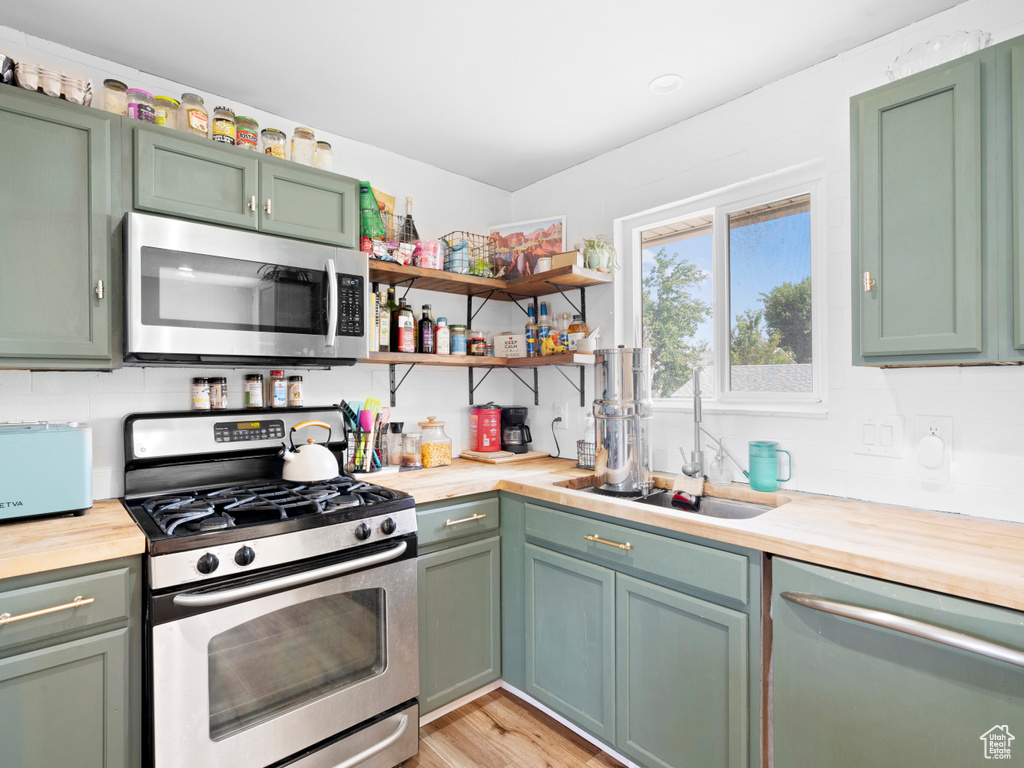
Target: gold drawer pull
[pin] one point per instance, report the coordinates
(6, 618)
(598, 540)
(464, 520)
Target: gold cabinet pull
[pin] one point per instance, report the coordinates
(464, 520)
(868, 282)
(598, 540)
(6, 618)
(101, 290)
(267, 207)
(252, 203)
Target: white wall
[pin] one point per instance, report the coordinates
(444, 202)
(802, 118)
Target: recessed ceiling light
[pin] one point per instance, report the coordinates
(666, 84)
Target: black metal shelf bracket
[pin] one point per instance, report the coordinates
(411, 281)
(535, 388)
(395, 387)
(581, 387)
(582, 308)
(473, 387)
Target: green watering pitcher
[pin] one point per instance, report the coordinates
(764, 466)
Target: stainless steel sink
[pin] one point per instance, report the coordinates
(709, 506)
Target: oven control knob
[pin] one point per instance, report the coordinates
(245, 556)
(363, 532)
(387, 527)
(207, 563)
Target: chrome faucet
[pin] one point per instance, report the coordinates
(695, 466)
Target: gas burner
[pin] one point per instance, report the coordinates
(344, 501)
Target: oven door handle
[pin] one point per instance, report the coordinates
(332, 303)
(377, 748)
(207, 599)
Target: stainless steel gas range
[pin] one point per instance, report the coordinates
(281, 617)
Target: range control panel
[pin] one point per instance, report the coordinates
(237, 431)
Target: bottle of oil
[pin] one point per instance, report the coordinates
(577, 331)
(425, 332)
(387, 308)
(403, 329)
(532, 349)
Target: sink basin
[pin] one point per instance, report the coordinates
(710, 506)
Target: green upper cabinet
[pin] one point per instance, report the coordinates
(314, 205)
(57, 286)
(918, 166)
(188, 176)
(1017, 192)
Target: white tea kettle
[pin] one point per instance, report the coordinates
(310, 463)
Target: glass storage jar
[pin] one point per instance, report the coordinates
(273, 143)
(115, 97)
(435, 446)
(141, 105)
(167, 112)
(324, 156)
(193, 115)
(247, 133)
(411, 450)
(224, 125)
(458, 340)
(303, 146)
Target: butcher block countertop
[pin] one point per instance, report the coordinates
(105, 532)
(970, 557)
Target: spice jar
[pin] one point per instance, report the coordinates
(273, 142)
(436, 446)
(224, 125)
(458, 340)
(247, 133)
(167, 112)
(219, 393)
(141, 105)
(115, 97)
(295, 391)
(200, 394)
(194, 116)
(303, 146)
(411, 450)
(324, 156)
(442, 337)
(277, 390)
(476, 342)
(254, 390)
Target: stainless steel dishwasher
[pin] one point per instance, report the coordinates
(871, 673)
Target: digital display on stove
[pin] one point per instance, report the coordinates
(234, 432)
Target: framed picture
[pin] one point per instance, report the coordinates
(518, 246)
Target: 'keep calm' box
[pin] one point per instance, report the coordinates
(510, 345)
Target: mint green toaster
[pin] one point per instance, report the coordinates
(45, 468)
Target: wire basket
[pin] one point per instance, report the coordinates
(393, 224)
(585, 454)
(467, 253)
(356, 453)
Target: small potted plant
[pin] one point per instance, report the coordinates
(599, 253)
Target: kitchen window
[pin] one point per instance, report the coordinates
(731, 282)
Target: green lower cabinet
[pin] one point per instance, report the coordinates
(459, 621)
(57, 288)
(65, 705)
(848, 693)
(315, 205)
(681, 678)
(570, 638)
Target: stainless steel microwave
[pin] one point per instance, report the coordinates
(200, 294)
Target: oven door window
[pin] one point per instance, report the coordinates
(291, 657)
(194, 290)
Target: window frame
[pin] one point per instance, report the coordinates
(807, 178)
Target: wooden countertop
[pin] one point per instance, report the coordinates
(105, 532)
(970, 557)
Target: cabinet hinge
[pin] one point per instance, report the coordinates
(100, 290)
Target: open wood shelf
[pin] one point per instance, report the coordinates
(470, 361)
(542, 284)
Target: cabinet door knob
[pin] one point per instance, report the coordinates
(267, 207)
(252, 203)
(100, 290)
(868, 282)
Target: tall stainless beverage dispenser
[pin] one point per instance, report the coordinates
(622, 412)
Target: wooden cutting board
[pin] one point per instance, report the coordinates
(502, 457)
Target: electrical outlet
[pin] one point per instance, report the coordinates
(933, 458)
(562, 412)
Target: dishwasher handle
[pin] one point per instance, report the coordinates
(908, 626)
(207, 599)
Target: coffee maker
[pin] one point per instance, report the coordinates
(515, 434)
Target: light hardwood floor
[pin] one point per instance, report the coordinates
(500, 730)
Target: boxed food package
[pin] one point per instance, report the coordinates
(510, 345)
(428, 254)
(567, 259)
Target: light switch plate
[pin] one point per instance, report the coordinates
(879, 436)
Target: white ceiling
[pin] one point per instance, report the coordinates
(505, 93)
